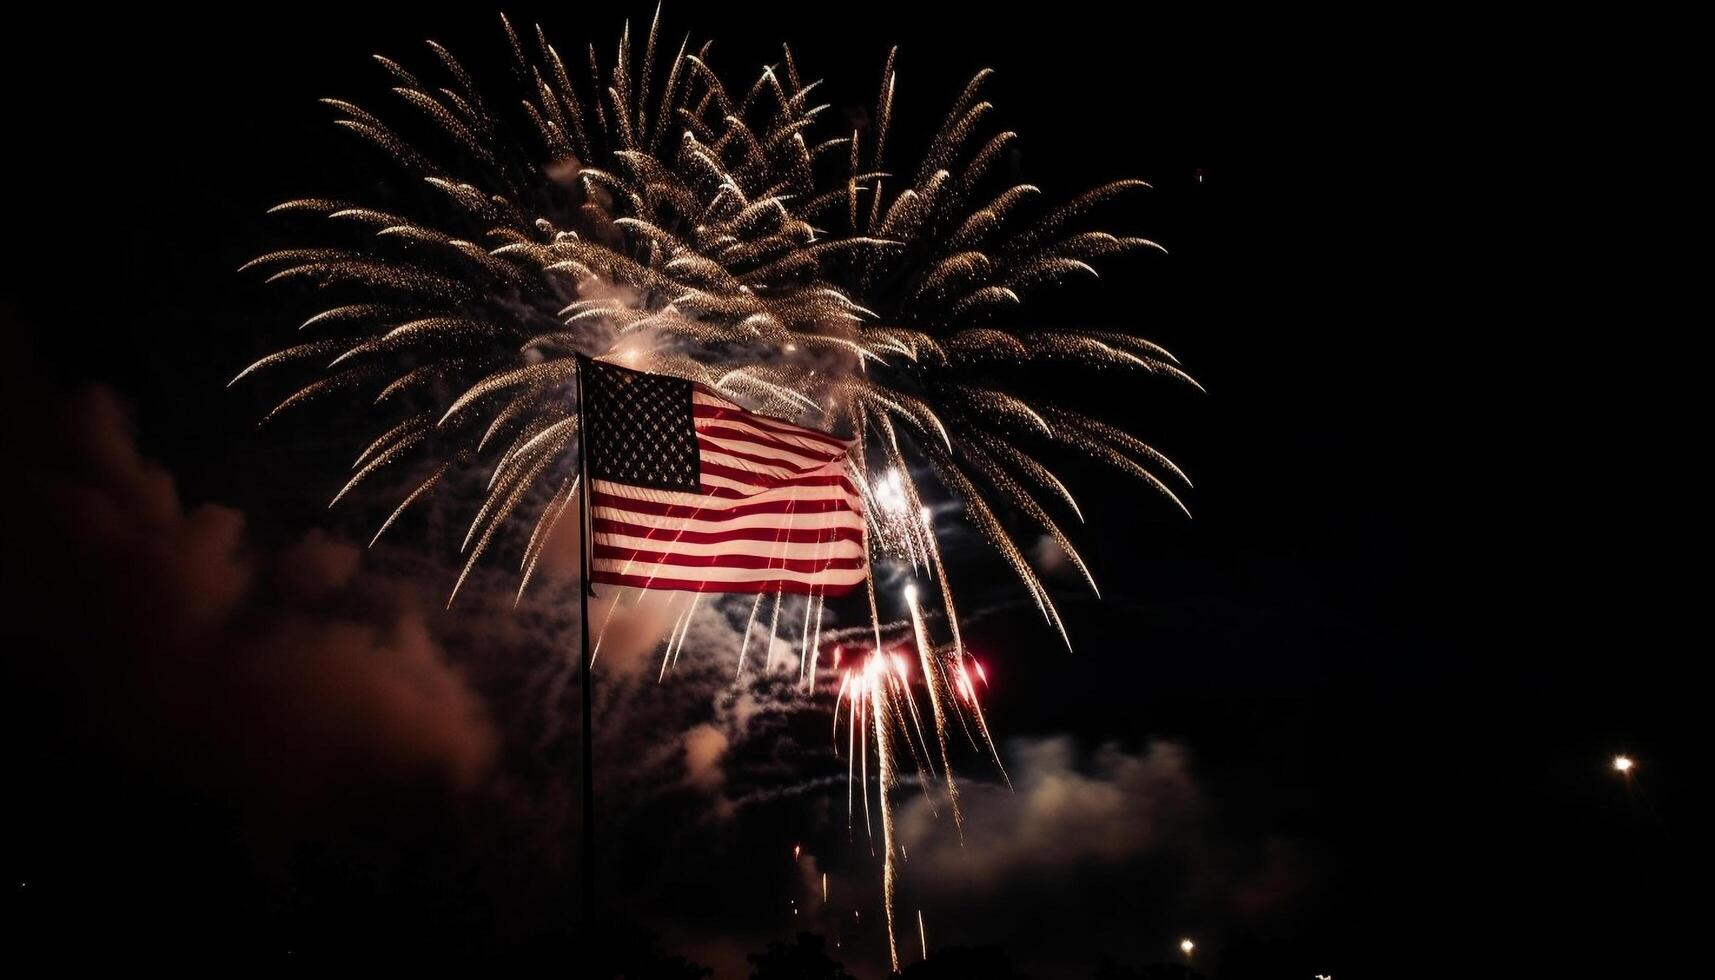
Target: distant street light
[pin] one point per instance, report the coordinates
(1623, 764)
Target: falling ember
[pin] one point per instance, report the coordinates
(884, 781)
(797, 850)
(684, 230)
(934, 680)
(922, 934)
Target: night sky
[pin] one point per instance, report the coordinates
(1356, 718)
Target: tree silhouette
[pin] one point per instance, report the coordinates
(805, 959)
(626, 952)
(963, 963)
(1155, 971)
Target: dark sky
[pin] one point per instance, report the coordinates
(1355, 718)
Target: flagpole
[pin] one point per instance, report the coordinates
(584, 592)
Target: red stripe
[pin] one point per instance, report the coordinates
(728, 449)
(725, 493)
(717, 495)
(775, 482)
(739, 435)
(733, 493)
(788, 586)
(730, 493)
(720, 513)
(735, 560)
(770, 535)
(704, 411)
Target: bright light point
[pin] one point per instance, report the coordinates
(1623, 763)
(911, 592)
(890, 493)
(1186, 946)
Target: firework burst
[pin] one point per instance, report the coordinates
(636, 209)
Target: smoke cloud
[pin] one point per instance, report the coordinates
(1057, 816)
(283, 671)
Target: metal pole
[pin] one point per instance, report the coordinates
(584, 593)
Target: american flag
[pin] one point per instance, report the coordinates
(689, 492)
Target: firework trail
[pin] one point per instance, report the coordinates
(637, 209)
(876, 697)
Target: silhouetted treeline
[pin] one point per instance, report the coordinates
(805, 959)
(619, 952)
(1155, 971)
(963, 963)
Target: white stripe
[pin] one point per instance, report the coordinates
(767, 469)
(774, 457)
(813, 492)
(797, 522)
(832, 576)
(714, 505)
(817, 447)
(767, 549)
(748, 430)
(785, 457)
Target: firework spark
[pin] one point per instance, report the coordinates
(876, 696)
(646, 213)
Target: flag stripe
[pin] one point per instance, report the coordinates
(721, 488)
(788, 507)
(826, 583)
(801, 522)
(770, 534)
(704, 406)
(795, 550)
(776, 451)
(745, 453)
(619, 494)
(729, 560)
(764, 481)
(767, 442)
